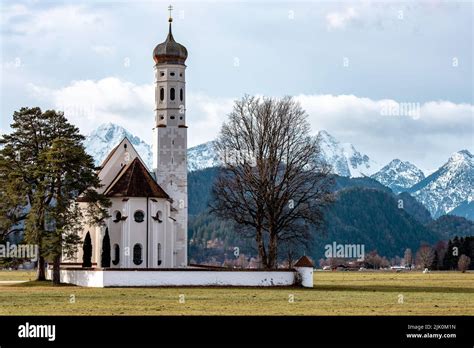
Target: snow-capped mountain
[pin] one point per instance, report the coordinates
(344, 159)
(202, 156)
(399, 175)
(451, 186)
(102, 140)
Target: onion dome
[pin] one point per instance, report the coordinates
(170, 52)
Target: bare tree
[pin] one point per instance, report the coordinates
(373, 259)
(425, 256)
(272, 184)
(408, 257)
(463, 263)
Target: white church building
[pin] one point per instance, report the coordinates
(149, 211)
(148, 224)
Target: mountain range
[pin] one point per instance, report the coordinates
(399, 175)
(449, 190)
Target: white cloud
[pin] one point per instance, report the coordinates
(89, 103)
(375, 127)
(55, 20)
(103, 50)
(340, 19)
(426, 138)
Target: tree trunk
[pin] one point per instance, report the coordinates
(40, 274)
(261, 247)
(56, 270)
(272, 251)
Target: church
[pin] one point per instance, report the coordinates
(148, 219)
(148, 223)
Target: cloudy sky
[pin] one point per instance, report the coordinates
(393, 78)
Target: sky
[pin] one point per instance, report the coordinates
(393, 78)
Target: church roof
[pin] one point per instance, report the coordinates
(304, 261)
(135, 181)
(170, 52)
(111, 153)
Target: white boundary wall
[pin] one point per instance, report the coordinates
(119, 278)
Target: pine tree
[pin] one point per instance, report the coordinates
(105, 256)
(434, 264)
(47, 169)
(87, 251)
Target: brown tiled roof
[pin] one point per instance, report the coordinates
(135, 181)
(304, 261)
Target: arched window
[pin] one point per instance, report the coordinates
(181, 94)
(137, 254)
(159, 254)
(159, 216)
(172, 94)
(162, 93)
(139, 216)
(117, 216)
(116, 259)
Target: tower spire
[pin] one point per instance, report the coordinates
(170, 19)
(170, 8)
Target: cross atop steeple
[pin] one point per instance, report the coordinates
(170, 8)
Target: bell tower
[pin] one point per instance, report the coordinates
(170, 135)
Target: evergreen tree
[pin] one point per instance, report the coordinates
(448, 257)
(434, 265)
(47, 169)
(87, 251)
(105, 256)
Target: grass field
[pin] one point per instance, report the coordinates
(334, 293)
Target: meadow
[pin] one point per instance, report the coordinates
(334, 293)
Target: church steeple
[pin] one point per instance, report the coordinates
(170, 134)
(170, 51)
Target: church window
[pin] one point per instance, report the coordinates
(117, 216)
(181, 94)
(172, 142)
(172, 117)
(139, 216)
(162, 94)
(116, 259)
(137, 254)
(159, 254)
(172, 94)
(159, 216)
(162, 73)
(181, 74)
(172, 73)
(180, 117)
(162, 117)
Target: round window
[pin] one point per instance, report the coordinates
(139, 216)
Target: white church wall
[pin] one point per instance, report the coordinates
(306, 276)
(115, 229)
(158, 247)
(92, 279)
(117, 278)
(137, 232)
